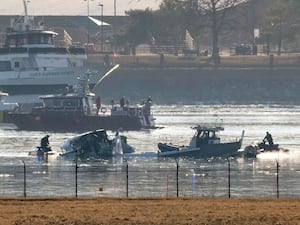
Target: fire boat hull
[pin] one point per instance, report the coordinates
(75, 123)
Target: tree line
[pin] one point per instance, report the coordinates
(215, 22)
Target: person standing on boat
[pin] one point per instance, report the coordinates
(122, 102)
(112, 102)
(147, 110)
(98, 104)
(268, 138)
(148, 104)
(45, 145)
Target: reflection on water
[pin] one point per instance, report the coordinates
(143, 174)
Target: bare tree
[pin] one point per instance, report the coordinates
(217, 11)
(282, 22)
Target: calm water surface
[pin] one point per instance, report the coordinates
(157, 177)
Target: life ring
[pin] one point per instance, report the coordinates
(103, 110)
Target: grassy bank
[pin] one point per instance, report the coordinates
(198, 61)
(149, 211)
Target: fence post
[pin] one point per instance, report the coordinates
(277, 177)
(76, 179)
(24, 184)
(177, 177)
(127, 179)
(229, 185)
(271, 61)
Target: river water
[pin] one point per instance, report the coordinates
(143, 174)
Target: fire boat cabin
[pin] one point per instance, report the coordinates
(67, 103)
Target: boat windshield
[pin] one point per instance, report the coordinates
(62, 103)
(211, 134)
(19, 40)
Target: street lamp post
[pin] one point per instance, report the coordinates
(88, 15)
(114, 30)
(115, 7)
(102, 39)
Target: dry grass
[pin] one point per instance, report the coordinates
(149, 211)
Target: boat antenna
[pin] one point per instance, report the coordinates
(106, 75)
(26, 11)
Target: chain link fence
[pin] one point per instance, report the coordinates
(163, 181)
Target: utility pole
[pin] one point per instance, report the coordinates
(114, 29)
(102, 39)
(88, 23)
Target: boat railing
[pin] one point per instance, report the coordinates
(126, 111)
(36, 50)
(57, 109)
(13, 50)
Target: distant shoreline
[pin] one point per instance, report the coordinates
(194, 61)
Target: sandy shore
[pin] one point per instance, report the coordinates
(149, 211)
